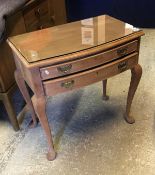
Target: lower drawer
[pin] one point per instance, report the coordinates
(85, 78)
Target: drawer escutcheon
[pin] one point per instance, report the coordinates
(122, 52)
(64, 69)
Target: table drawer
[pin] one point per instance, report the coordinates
(35, 14)
(40, 25)
(87, 63)
(70, 82)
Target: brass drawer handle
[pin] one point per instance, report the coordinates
(122, 52)
(64, 69)
(68, 84)
(41, 27)
(37, 13)
(122, 66)
(53, 19)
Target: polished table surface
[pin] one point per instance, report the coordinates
(70, 38)
(71, 56)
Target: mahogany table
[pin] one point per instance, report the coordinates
(71, 56)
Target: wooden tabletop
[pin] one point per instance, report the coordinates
(70, 38)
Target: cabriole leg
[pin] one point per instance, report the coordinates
(136, 72)
(22, 86)
(105, 97)
(41, 112)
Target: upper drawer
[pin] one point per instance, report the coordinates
(35, 13)
(86, 63)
